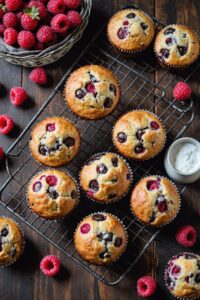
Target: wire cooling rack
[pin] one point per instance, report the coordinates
(141, 89)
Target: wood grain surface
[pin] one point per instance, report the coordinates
(24, 281)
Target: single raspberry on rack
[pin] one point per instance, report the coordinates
(2, 29)
(50, 265)
(6, 124)
(1, 153)
(29, 19)
(10, 20)
(72, 4)
(56, 6)
(26, 39)
(18, 95)
(40, 7)
(10, 36)
(74, 18)
(182, 91)
(38, 76)
(60, 23)
(146, 286)
(44, 34)
(186, 236)
(13, 5)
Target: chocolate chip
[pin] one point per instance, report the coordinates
(102, 169)
(182, 50)
(197, 278)
(115, 161)
(140, 133)
(94, 185)
(144, 26)
(139, 149)
(99, 217)
(118, 242)
(107, 102)
(169, 30)
(112, 88)
(165, 52)
(121, 137)
(80, 94)
(52, 193)
(184, 35)
(43, 150)
(93, 78)
(69, 141)
(131, 15)
(4, 232)
(108, 237)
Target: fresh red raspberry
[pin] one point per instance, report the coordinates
(44, 34)
(18, 95)
(1, 153)
(72, 4)
(13, 5)
(56, 6)
(2, 10)
(74, 18)
(186, 236)
(38, 76)
(40, 6)
(38, 46)
(146, 286)
(10, 20)
(2, 29)
(50, 265)
(29, 19)
(182, 91)
(26, 39)
(60, 23)
(2, 1)
(10, 36)
(6, 124)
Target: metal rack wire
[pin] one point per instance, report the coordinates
(141, 90)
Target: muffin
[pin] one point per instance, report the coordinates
(105, 177)
(155, 201)
(139, 135)
(177, 46)
(92, 92)
(52, 194)
(131, 30)
(11, 241)
(54, 141)
(182, 276)
(100, 238)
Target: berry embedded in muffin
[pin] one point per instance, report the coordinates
(54, 141)
(182, 276)
(131, 30)
(105, 177)
(92, 92)
(139, 135)
(155, 201)
(100, 238)
(52, 194)
(177, 46)
(11, 241)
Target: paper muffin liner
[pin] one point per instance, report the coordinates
(59, 218)
(165, 276)
(98, 118)
(179, 206)
(106, 200)
(175, 67)
(152, 156)
(125, 245)
(135, 52)
(61, 164)
(22, 248)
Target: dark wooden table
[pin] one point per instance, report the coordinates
(24, 281)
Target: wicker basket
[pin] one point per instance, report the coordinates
(36, 58)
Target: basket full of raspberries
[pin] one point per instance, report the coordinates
(39, 32)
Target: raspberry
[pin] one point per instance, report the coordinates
(146, 286)
(10, 36)
(6, 124)
(26, 39)
(60, 23)
(1, 153)
(182, 91)
(18, 95)
(72, 4)
(74, 18)
(44, 34)
(56, 6)
(38, 76)
(50, 265)
(29, 19)
(2, 29)
(38, 46)
(186, 236)
(40, 7)
(13, 5)
(10, 20)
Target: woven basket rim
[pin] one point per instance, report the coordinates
(28, 54)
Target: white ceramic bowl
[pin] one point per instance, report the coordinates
(169, 162)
